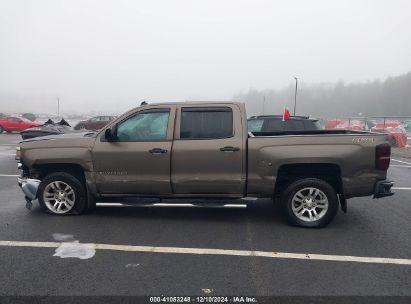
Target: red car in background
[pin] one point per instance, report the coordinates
(94, 123)
(331, 124)
(397, 135)
(345, 124)
(15, 123)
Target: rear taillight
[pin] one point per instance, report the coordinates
(382, 156)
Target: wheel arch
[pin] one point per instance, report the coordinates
(42, 170)
(70, 168)
(288, 173)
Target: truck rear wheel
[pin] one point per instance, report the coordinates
(61, 193)
(310, 202)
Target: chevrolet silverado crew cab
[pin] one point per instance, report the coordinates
(203, 152)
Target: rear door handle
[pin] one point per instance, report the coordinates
(230, 149)
(158, 151)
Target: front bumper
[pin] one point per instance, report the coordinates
(29, 186)
(383, 188)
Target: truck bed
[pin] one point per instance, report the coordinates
(352, 153)
(312, 132)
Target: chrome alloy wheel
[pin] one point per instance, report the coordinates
(309, 204)
(59, 197)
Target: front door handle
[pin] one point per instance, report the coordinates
(230, 149)
(158, 151)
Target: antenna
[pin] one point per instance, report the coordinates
(263, 104)
(58, 106)
(295, 95)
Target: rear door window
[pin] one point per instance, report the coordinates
(206, 123)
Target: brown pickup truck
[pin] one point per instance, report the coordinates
(202, 152)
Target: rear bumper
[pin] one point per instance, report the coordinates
(383, 188)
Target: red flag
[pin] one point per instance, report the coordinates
(286, 114)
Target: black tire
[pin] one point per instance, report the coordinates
(91, 201)
(301, 184)
(80, 194)
(1, 129)
(80, 127)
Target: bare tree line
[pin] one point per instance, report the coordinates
(377, 98)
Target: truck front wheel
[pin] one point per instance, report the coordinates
(310, 202)
(61, 193)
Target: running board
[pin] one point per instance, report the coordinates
(199, 205)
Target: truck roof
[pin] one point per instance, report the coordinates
(194, 103)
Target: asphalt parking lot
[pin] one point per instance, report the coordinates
(371, 229)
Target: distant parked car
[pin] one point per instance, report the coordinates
(346, 124)
(49, 128)
(2, 115)
(94, 123)
(15, 123)
(29, 116)
(397, 136)
(275, 123)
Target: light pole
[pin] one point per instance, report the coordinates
(263, 104)
(295, 94)
(58, 106)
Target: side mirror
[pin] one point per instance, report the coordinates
(110, 134)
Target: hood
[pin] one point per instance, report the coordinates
(66, 136)
(61, 138)
(73, 148)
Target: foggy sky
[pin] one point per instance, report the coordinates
(107, 56)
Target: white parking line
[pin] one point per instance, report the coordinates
(401, 188)
(401, 166)
(226, 252)
(9, 175)
(400, 161)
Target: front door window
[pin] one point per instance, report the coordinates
(149, 125)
